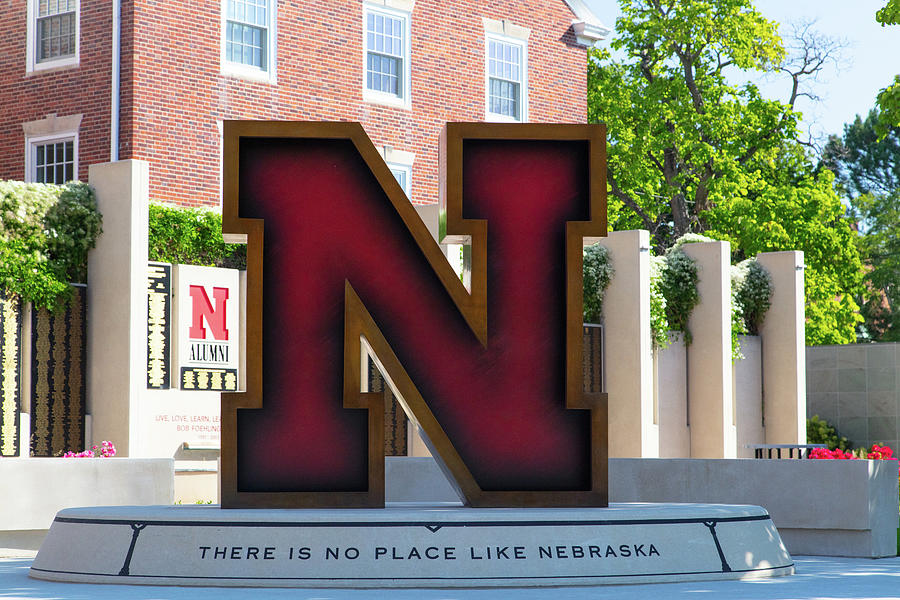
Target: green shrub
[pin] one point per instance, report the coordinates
(659, 323)
(598, 273)
(688, 238)
(819, 431)
(46, 232)
(191, 237)
(752, 293)
(738, 326)
(679, 287)
(751, 296)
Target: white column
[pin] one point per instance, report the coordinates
(784, 350)
(671, 390)
(633, 431)
(117, 303)
(710, 387)
(748, 397)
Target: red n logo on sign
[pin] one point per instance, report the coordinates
(202, 309)
(338, 263)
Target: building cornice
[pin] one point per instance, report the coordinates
(588, 28)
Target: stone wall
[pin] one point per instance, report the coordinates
(820, 507)
(35, 489)
(856, 389)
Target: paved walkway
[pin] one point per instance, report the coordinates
(816, 578)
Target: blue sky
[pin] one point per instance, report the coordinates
(872, 56)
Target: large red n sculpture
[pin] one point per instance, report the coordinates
(339, 263)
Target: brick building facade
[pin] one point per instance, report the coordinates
(402, 68)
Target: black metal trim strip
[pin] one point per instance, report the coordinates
(442, 524)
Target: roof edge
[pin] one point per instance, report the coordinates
(588, 28)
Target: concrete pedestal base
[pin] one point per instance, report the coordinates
(411, 547)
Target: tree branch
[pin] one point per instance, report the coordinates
(628, 201)
(810, 54)
(687, 65)
(656, 162)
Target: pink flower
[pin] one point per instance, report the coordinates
(836, 454)
(877, 453)
(105, 450)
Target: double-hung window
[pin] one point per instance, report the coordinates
(248, 44)
(506, 68)
(386, 65)
(52, 33)
(55, 29)
(52, 160)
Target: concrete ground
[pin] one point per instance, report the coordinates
(817, 578)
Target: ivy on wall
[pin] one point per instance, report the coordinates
(751, 296)
(673, 292)
(191, 237)
(598, 272)
(659, 322)
(46, 231)
(678, 283)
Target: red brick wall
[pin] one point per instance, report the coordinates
(180, 93)
(173, 92)
(82, 89)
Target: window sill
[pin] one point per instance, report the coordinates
(249, 74)
(495, 118)
(386, 100)
(52, 66)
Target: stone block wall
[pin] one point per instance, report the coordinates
(856, 389)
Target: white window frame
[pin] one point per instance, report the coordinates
(31, 55)
(32, 142)
(377, 97)
(407, 172)
(516, 40)
(399, 160)
(267, 75)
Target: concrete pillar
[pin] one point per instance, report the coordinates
(117, 299)
(748, 396)
(783, 350)
(633, 428)
(671, 393)
(710, 387)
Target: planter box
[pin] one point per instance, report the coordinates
(820, 507)
(35, 489)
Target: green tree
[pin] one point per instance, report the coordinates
(868, 170)
(890, 14)
(792, 205)
(680, 133)
(689, 151)
(889, 97)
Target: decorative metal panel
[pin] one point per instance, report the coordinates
(209, 380)
(10, 318)
(395, 421)
(159, 316)
(592, 358)
(57, 375)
